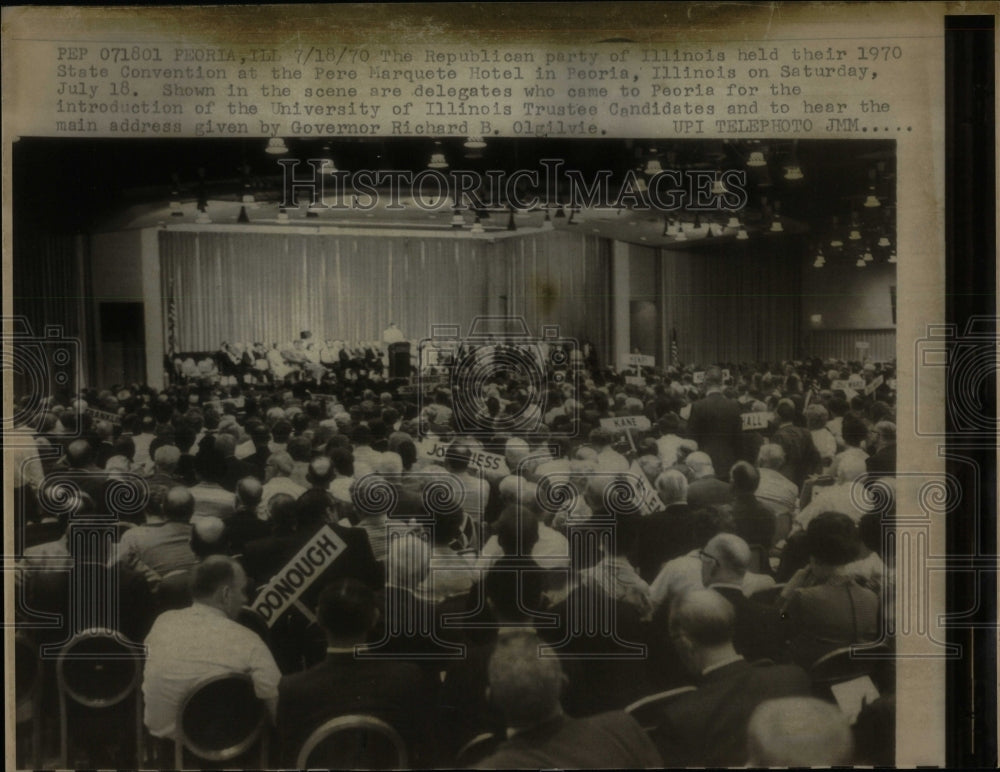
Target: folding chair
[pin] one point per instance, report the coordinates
(353, 742)
(221, 719)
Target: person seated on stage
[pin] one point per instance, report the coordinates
(261, 364)
(279, 366)
(328, 355)
(313, 364)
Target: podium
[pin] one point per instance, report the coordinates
(399, 360)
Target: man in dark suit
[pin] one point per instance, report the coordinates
(344, 684)
(754, 522)
(708, 727)
(244, 526)
(666, 534)
(706, 489)
(526, 688)
(758, 629)
(801, 457)
(883, 461)
(716, 425)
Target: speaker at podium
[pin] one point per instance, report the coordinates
(399, 360)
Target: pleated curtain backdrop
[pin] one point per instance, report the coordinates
(248, 286)
(739, 304)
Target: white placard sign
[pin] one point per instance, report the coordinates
(626, 423)
(756, 421)
(298, 574)
(639, 360)
(649, 502)
(856, 382)
(698, 377)
(876, 382)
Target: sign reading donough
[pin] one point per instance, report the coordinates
(298, 574)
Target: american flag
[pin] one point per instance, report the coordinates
(171, 322)
(675, 354)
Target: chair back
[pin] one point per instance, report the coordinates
(850, 662)
(173, 591)
(353, 742)
(220, 719)
(27, 676)
(477, 749)
(98, 669)
(648, 710)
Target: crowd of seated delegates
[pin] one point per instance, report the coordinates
(240, 479)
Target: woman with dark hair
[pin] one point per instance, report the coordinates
(825, 606)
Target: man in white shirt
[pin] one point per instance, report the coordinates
(189, 645)
(841, 497)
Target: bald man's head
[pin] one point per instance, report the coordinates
(79, 454)
(725, 559)
(672, 487)
(704, 617)
(798, 732)
(700, 464)
(249, 491)
(178, 505)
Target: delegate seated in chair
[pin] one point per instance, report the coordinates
(393, 691)
(189, 645)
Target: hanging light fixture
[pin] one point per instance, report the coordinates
(776, 226)
(276, 146)
(861, 263)
(719, 187)
(652, 164)
(892, 257)
(883, 240)
(547, 221)
(872, 202)
(438, 161)
(741, 234)
(327, 164)
(756, 160)
(793, 172)
(457, 221)
(681, 236)
(477, 226)
(868, 256)
(475, 143)
(733, 222)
